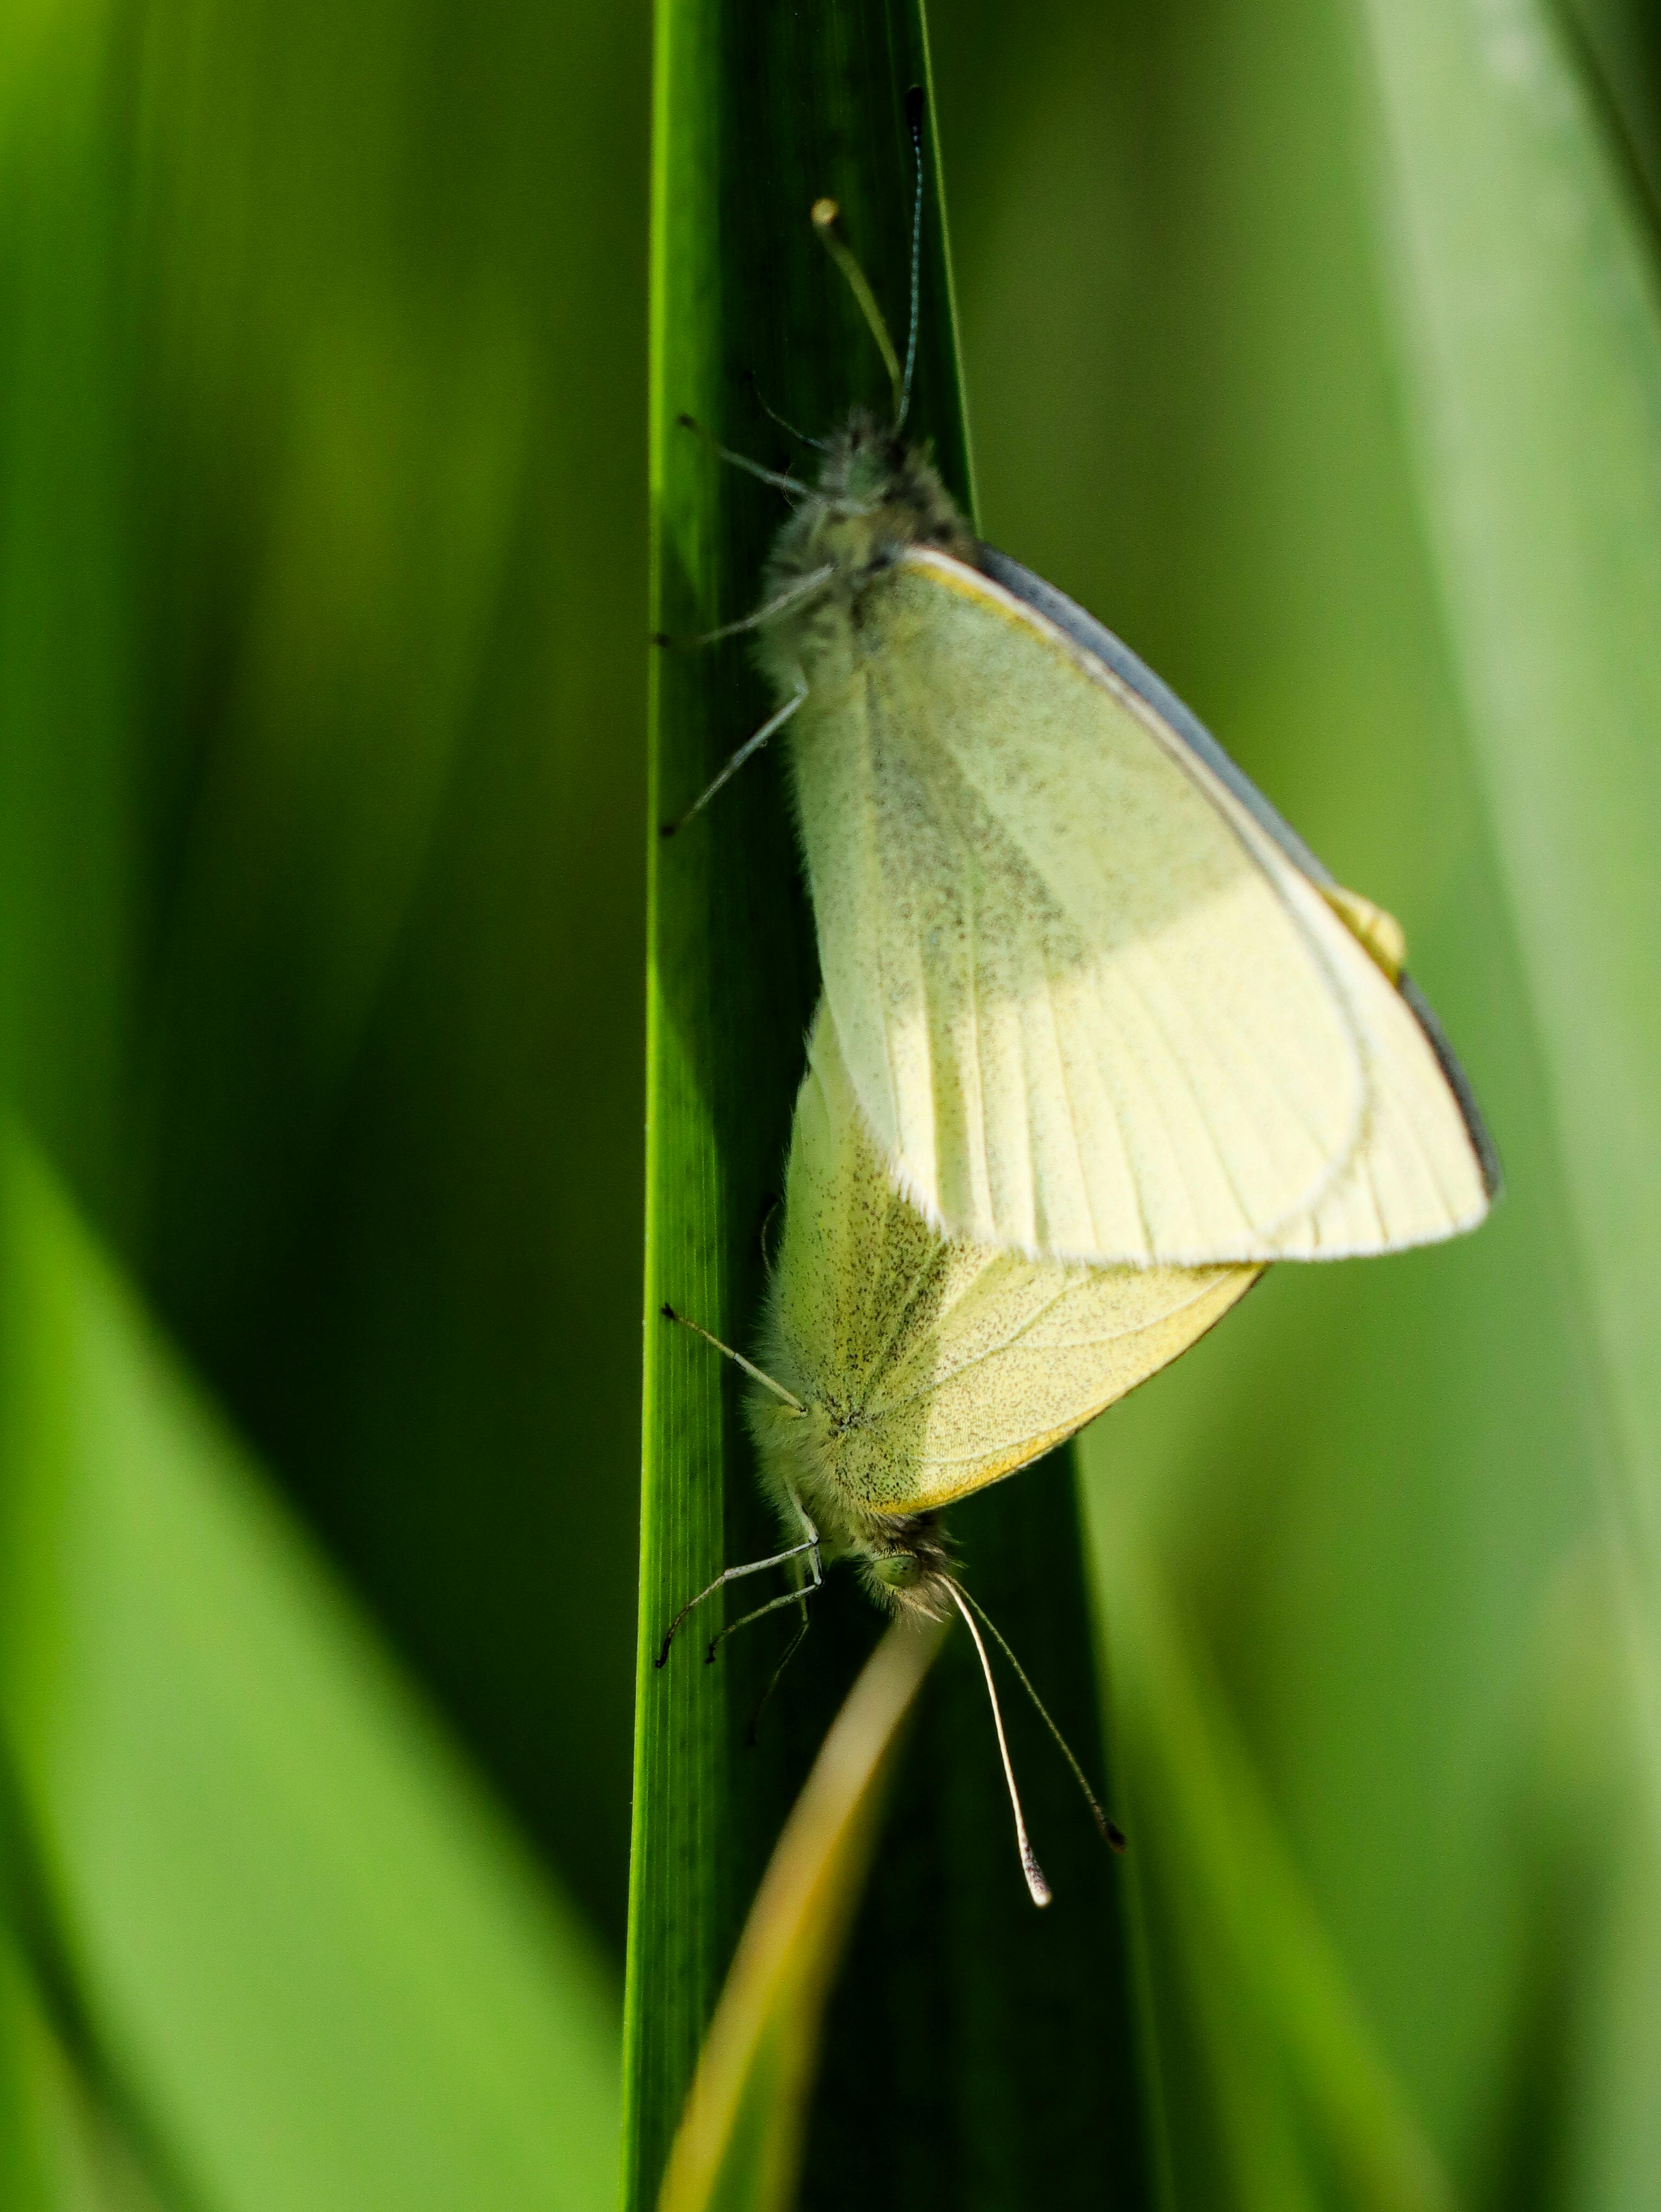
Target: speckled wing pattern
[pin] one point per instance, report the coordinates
(944, 1365)
(1090, 1006)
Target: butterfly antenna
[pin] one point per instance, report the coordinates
(914, 102)
(819, 445)
(1112, 1834)
(827, 221)
(1036, 1883)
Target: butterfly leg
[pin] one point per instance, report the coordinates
(789, 485)
(793, 595)
(819, 445)
(774, 722)
(755, 1375)
(792, 487)
(790, 1597)
(790, 1652)
(797, 1596)
(736, 1574)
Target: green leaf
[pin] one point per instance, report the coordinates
(1003, 2041)
(1253, 1956)
(1528, 299)
(62, 2148)
(1530, 316)
(322, 589)
(739, 2145)
(69, 796)
(318, 1967)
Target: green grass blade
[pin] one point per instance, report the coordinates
(1002, 2042)
(1619, 46)
(322, 583)
(61, 2147)
(739, 2146)
(314, 1962)
(67, 791)
(1528, 296)
(1527, 292)
(1254, 1950)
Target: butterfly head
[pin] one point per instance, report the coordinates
(905, 1564)
(876, 497)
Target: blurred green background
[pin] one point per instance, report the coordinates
(322, 682)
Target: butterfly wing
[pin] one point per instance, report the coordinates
(1093, 1005)
(1019, 1356)
(944, 1365)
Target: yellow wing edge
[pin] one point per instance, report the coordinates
(1241, 1277)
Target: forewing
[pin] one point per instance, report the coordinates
(1090, 1008)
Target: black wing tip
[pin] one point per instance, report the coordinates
(1481, 1140)
(1085, 631)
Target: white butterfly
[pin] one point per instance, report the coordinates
(1096, 999)
(900, 1369)
(905, 1369)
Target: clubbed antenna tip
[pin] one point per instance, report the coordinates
(1111, 1834)
(1037, 1887)
(827, 221)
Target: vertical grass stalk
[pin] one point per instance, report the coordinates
(998, 2041)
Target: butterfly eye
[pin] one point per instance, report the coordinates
(899, 1570)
